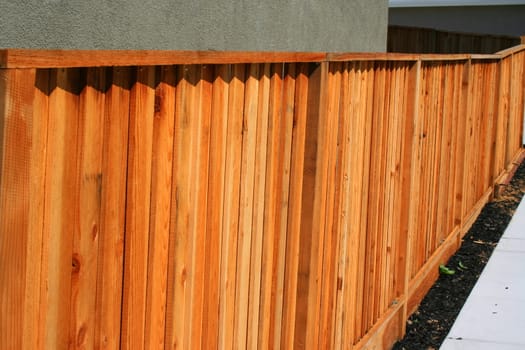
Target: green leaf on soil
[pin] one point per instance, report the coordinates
(445, 270)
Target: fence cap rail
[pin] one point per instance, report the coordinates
(511, 50)
(41, 58)
(29, 58)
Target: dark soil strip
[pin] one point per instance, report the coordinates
(430, 324)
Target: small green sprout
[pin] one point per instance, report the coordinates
(462, 267)
(445, 270)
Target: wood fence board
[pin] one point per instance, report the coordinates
(271, 198)
(85, 242)
(283, 183)
(261, 157)
(231, 207)
(35, 308)
(35, 58)
(328, 297)
(310, 150)
(142, 101)
(293, 246)
(16, 234)
(366, 110)
(218, 134)
(113, 211)
(246, 204)
(200, 128)
(461, 164)
(322, 156)
(341, 196)
(161, 185)
(62, 205)
(408, 136)
(113, 183)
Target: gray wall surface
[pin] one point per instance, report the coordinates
(497, 20)
(252, 25)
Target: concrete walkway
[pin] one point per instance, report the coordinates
(494, 315)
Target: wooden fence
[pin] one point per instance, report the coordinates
(240, 200)
(427, 40)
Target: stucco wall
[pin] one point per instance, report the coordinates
(500, 20)
(262, 25)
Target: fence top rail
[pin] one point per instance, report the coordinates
(40, 58)
(511, 50)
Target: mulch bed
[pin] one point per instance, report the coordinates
(430, 324)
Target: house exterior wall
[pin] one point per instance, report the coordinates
(498, 20)
(252, 25)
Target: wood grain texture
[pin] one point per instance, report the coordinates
(219, 125)
(34, 58)
(113, 212)
(230, 223)
(161, 185)
(33, 327)
(17, 234)
(63, 206)
(142, 101)
(86, 239)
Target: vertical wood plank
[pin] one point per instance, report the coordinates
(189, 207)
(62, 205)
(230, 223)
(35, 308)
(283, 190)
(197, 229)
(413, 180)
(218, 131)
(357, 121)
(86, 239)
(295, 205)
(245, 235)
(112, 221)
(142, 101)
(258, 207)
(326, 126)
(267, 312)
(460, 151)
(410, 104)
(310, 150)
(366, 82)
(161, 184)
(17, 139)
(329, 260)
(341, 206)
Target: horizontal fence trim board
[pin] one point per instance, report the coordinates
(385, 332)
(474, 212)
(444, 57)
(485, 57)
(511, 50)
(365, 56)
(33, 58)
(424, 279)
